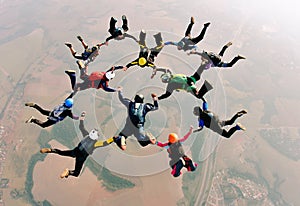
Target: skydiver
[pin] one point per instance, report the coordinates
(210, 120)
(187, 42)
(85, 148)
(88, 55)
(177, 154)
(58, 114)
(145, 58)
(210, 59)
(137, 111)
(118, 33)
(182, 82)
(95, 80)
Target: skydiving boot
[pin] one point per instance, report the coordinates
(239, 126)
(192, 20)
(65, 173)
(30, 119)
(207, 24)
(70, 72)
(241, 113)
(68, 45)
(240, 57)
(142, 38)
(79, 38)
(158, 39)
(80, 64)
(45, 150)
(29, 104)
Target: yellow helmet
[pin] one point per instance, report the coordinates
(173, 137)
(142, 61)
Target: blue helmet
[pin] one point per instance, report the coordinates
(68, 103)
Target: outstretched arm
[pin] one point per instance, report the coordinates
(130, 36)
(155, 70)
(101, 143)
(187, 134)
(171, 43)
(84, 132)
(106, 87)
(123, 100)
(160, 144)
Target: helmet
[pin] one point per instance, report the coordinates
(197, 111)
(94, 48)
(93, 134)
(139, 98)
(68, 103)
(110, 75)
(165, 78)
(180, 45)
(142, 61)
(173, 138)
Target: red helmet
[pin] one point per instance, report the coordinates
(173, 137)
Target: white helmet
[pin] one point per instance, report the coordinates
(93, 134)
(110, 75)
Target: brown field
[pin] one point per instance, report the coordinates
(87, 190)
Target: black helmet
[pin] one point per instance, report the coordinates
(139, 98)
(197, 111)
(94, 48)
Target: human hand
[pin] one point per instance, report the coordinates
(119, 88)
(154, 96)
(191, 129)
(125, 68)
(82, 116)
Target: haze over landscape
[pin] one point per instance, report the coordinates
(257, 167)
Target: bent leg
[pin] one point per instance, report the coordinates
(221, 53)
(176, 168)
(233, 61)
(80, 159)
(68, 153)
(43, 124)
(228, 134)
(125, 23)
(190, 166)
(189, 29)
(112, 25)
(200, 36)
(41, 110)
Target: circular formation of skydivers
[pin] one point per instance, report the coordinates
(137, 109)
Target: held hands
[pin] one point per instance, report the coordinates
(154, 97)
(119, 88)
(125, 68)
(82, 116)
(191, 129)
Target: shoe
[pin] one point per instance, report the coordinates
(29, 120)
(207, 24)
(70, 72)
(46, 150)
(29, 104)
(229, 44)
(123, 17)
(68, 45)
(240, 127)
(79, 38)
(241, 113)
(65, 173)
(241, 57)
(80, 64)
(192, 20)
